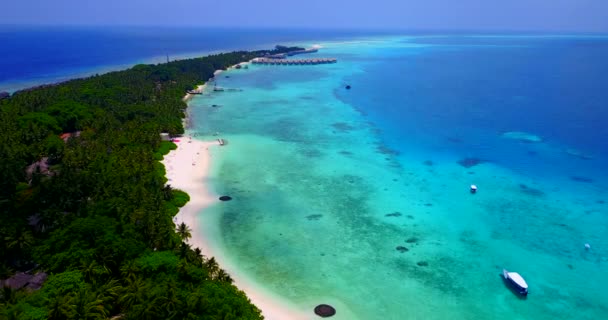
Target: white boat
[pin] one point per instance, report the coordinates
(517, 281)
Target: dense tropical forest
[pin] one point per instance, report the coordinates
(84, 200)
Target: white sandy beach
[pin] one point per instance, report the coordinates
(188, 169)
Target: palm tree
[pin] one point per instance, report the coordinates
(59, 307)
(148, 308)
(212, 267)
(184, 231)
(109, 293)
(199, 254)
(87, 306)
(21, 240)
(194, 303)
(129, 270)
(167, 192)
(170, 301)
(223, 276)
(184, 250)
(93, 270)
(195, 257)
(134, 292)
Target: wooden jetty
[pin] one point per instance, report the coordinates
(292, 62)
(292, 53)
(221, 89)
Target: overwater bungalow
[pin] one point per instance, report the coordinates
(289, 62)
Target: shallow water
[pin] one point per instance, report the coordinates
(327, 182)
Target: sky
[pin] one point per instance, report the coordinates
(478, 15)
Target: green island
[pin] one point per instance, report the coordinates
(87, 217)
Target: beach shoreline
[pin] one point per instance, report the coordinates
(189, 96)
(188, 169)
(201, 88)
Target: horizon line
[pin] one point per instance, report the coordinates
(391, 30)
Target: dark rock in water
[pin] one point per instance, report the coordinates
(412, 240)
(402, 249)
(225, 198)
(530, 191)
(394, 214)
(325, 310)
(346, 153)
(314, 217)
(428, 163)
(470, 162)
(342, 126)
(348, 87)
(4, 95)
(428, 204)
(601, 201)
(409, 216)
(352, 179)
(423, 263)
(386, 150)
(581, 179)
(312, 153)
(454, 140)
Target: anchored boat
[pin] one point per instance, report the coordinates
(516, 281)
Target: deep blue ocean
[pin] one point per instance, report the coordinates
(36, 55)
(462, 92)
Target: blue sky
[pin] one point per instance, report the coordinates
(482, 15)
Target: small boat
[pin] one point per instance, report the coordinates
(473, 189)
(516, 281)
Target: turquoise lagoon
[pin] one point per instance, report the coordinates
(328, 182)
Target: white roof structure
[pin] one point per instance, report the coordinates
(518, 279)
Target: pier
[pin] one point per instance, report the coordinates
(291, 62)
(221, 89)
(292, 53)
